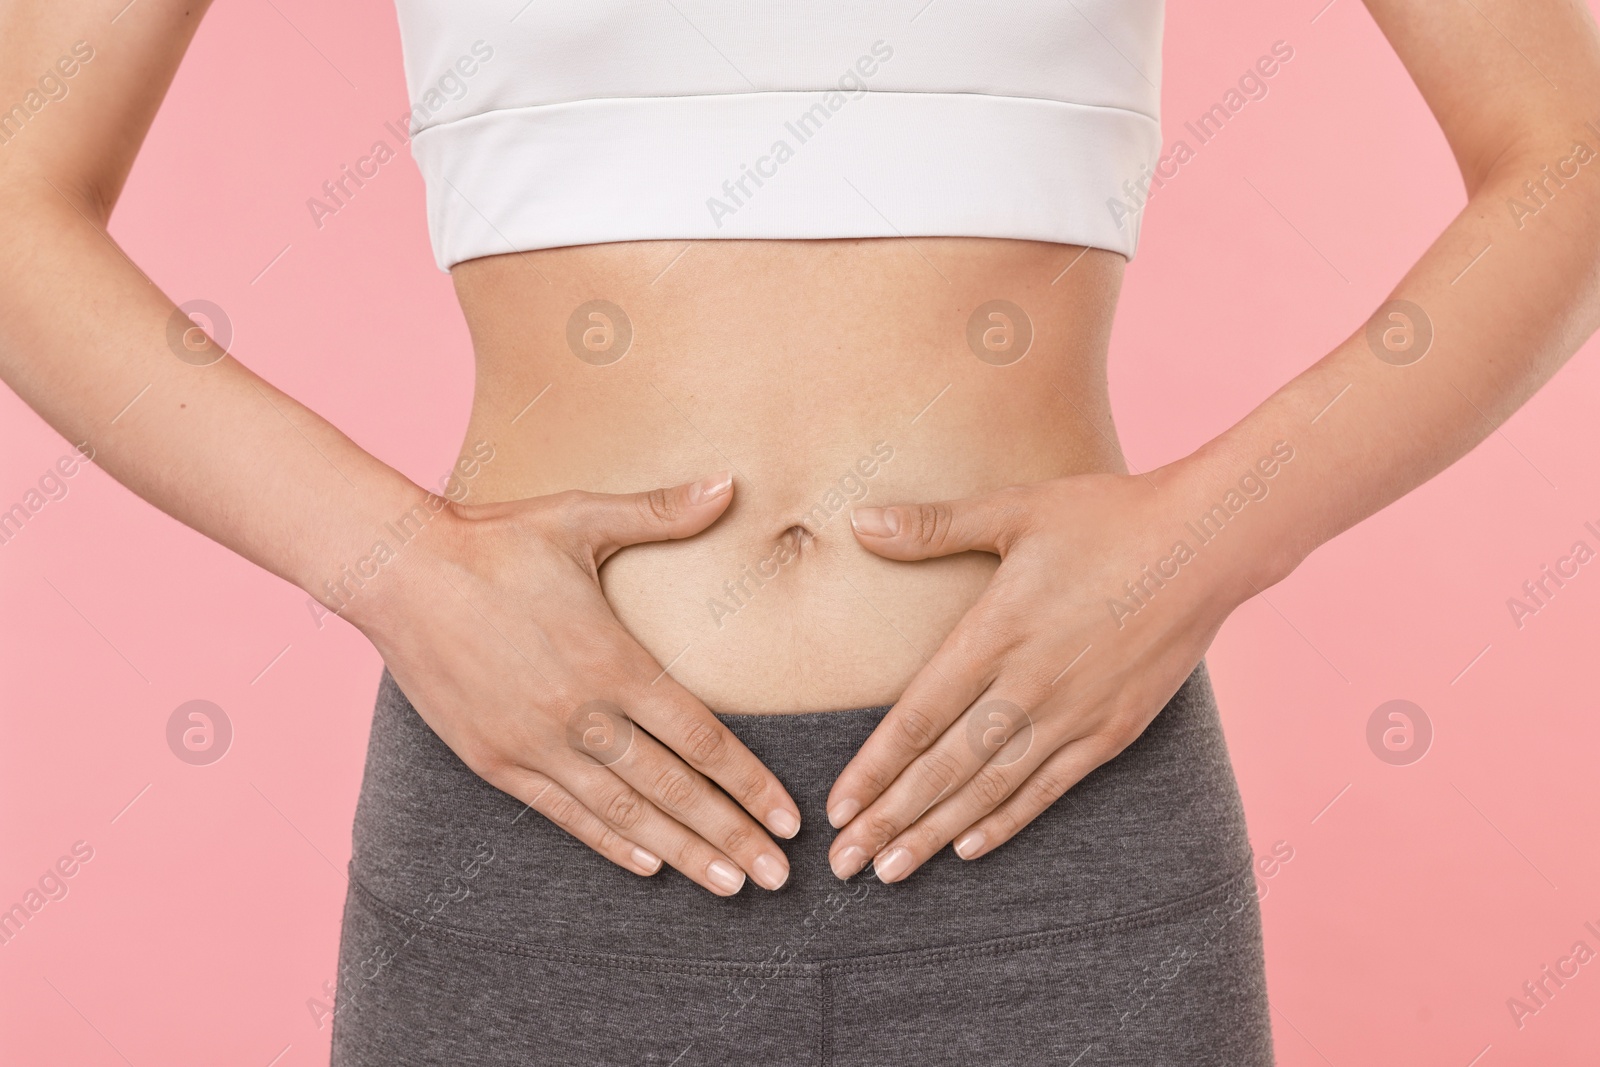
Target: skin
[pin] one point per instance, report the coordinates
(529, 607)
(775, 607)
(1090, 680)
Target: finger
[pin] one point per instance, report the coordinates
(1064, 768)
(634, 815)
(607, 522)
(988, 753)
(947, 686)
(687, 796)
(549, 799)
(988, 523)
(677, 719)
(991, 787)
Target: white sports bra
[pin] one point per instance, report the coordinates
(538, 123)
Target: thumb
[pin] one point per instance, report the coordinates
(611, 521)
(986, 523)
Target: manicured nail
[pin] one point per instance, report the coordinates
(843, 812)
(710, 488)
(893, 865)
(770, 874)
(783, 822)
(725, 876)
(849, 861)
(647, 861)
(970, 844)
(875, 522)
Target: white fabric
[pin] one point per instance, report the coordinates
(540, 124)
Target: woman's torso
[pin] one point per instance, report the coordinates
(824, 374)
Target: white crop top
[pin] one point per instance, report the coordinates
(538, 123)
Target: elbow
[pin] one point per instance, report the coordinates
(1520, 141)
(1555, 164)
(33, 200)
(36, 210)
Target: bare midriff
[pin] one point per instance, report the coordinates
(825, 375)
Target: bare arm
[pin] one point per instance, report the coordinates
(1508, 292)
(92, 345)
(83, 332)
(1111, 587)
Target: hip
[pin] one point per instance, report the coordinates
(1123, 918)
(1159, 825)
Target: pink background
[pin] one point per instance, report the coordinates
(1415, 903)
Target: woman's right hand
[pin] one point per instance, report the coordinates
(499, 634)
(490, 618)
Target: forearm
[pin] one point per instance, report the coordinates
(1508, 298)
(86, 341)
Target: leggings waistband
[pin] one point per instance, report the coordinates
(1155, 835)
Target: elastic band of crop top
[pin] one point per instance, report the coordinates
(615, 121)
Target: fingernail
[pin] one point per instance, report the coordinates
(875, 522)
(849, 861)
(649, 861)
(725, 876)
(783, 822)
(894, 865)
(970, 844)
(710, 488)
(843, 812)
(769, 873)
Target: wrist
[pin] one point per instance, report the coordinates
(1231, 512)
(402, 549)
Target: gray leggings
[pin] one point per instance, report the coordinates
(1120, 927)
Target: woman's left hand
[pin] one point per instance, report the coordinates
(1093, 620)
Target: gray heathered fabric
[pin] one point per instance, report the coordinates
(1120, 928)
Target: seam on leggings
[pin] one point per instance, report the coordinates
(1153, 916)
(1000, 946)
(823, 998)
